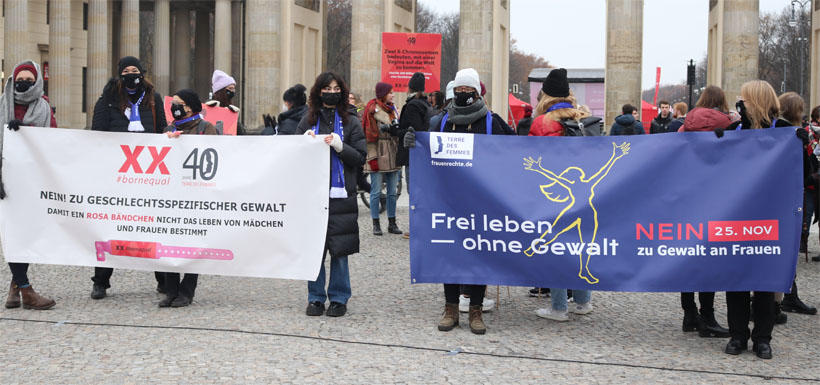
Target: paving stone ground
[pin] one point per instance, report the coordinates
(245, 330)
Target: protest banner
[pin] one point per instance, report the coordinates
(214, 115)
(683, 212)
(404, 54)
(197, 204)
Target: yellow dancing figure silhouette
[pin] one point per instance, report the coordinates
(580, 189)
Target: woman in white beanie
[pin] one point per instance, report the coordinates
(223, 90)
(467, 114)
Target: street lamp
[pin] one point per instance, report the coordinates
(793, 23)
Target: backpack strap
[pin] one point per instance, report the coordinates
(200, 128)
(444, 121)
(489, 123)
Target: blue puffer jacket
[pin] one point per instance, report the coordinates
(626, 125)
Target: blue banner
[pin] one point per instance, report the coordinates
(670, 212)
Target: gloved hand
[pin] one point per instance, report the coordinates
(410, 138)
(803, 135)
(744, 119)
(335, 142)
(2, 190)
(374, 164)
(719, 132)
(15, 124)
(270, 121)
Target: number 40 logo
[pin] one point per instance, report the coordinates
(204, 164)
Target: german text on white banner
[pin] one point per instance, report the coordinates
(244, 206)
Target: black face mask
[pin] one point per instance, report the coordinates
(23, 85)
(331, 98)
(178, 111)
(465, 98)
(230, 94)
(132, 81)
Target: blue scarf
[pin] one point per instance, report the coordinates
(134, 122)
(337, 172)
(177, 123)
(559, 106)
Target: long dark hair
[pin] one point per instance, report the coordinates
(315, 98)
(123, 96)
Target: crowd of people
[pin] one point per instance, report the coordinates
(374, 139)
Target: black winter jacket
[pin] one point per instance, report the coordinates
(342, 225)
(289, 120)
(414, 114)
(660, 125)
(109, 117)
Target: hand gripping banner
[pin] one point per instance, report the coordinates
(672, 212)
(243, 206)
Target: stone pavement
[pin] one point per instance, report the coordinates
(254, 331)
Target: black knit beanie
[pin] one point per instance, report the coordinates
(128, 61)
(416, 82)
(191, 99)
(556, 84)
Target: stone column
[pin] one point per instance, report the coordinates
(202, 54)
(182, 49)
(484, 45)
(16, 34)
(162, 46)
(366, 48)
(624, 47)
(130, 32)
(222, 36)
(99, 56)
(814, 59)
(59, 53)
(262, 88)
(714, 53)
(741, 25)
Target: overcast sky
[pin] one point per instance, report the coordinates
(674, 31)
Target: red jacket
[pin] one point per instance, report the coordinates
(546, 127)
(705, 119)
(20, 112)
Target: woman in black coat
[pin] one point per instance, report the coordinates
(328, 115)
(128, 104)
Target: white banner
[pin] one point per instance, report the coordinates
(251, 206)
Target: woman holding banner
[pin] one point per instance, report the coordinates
(758, 108)
(128, 104)
(329, 115)
(555, 106)
(23, 104)
(468, 114)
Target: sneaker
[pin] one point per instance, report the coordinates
(555, 315)
(464, 304)
(539, 292)
(581, 309)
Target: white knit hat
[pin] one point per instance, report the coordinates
(221, 80)
(467, 77)
(449, 94)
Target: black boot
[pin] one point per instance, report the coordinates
(779, 317)
(690, 320)
(392, 227)
(792, 303)
(708, 326)
(377, 228)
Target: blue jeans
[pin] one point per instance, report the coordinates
(338, 290)
(392, 181)
(559, 298)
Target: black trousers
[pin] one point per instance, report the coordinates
(737, 306)
(102, 276)
(19, 273)
(174, 287)
(706, 299)
(476, 292)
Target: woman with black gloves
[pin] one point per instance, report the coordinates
(128, 104)
(23, 104)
